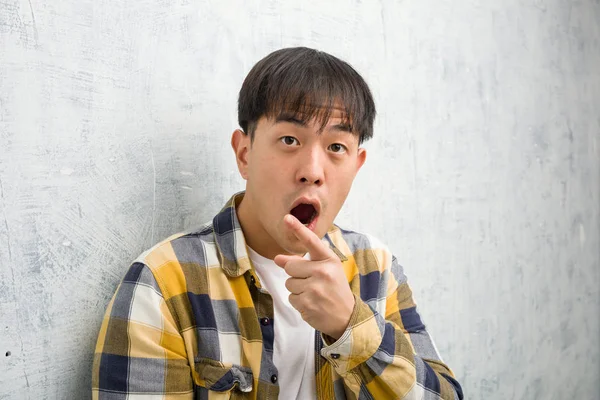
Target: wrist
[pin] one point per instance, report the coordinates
(344, 321)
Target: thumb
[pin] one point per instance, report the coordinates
(282, 259)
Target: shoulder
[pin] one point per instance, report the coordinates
(364, 248)
(180, 247)
(355, 241)
(179, 259)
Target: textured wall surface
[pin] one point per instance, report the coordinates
(483, 176)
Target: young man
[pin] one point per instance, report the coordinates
(271, 299)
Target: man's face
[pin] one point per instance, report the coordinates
(292, 168)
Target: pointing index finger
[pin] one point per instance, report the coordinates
(317, 249)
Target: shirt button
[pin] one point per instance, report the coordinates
(252, 280)
(274, 378)
(335, 356)
(265, 321)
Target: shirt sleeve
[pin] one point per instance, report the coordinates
(386, 350)
(140, 351)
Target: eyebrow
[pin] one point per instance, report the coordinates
(291, 118)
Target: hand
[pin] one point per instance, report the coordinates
(319, 288)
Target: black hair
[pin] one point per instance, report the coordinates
(309, 84)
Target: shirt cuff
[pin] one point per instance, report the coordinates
(358, 343)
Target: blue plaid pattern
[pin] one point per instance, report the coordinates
(185, 324)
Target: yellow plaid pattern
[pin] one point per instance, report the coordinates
(185, 324)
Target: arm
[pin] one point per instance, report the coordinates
(139, 349)
(389, 353)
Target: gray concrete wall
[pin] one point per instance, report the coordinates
(483, 176)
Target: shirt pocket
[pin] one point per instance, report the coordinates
(222, 381)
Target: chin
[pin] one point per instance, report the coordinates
(295, 248)
(319, 231)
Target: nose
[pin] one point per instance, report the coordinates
(311, 169)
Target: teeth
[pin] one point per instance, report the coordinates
(311, 219)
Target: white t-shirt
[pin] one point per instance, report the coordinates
(294, 342)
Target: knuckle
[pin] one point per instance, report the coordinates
(326, 273)
(289, 268)
(317, 293)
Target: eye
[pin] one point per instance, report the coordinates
(289, 140)
(337, 148)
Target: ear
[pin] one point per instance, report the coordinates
(361, 158)
(240, 142)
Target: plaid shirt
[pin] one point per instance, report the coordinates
(190, 320)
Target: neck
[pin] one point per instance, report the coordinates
(254, 232)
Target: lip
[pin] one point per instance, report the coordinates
(313, 202)
(307, 200)
(313, 224)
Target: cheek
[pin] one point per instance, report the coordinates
(344, 179)
(339, 191)
(271, 168)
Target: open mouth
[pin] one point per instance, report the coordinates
(305, 213)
